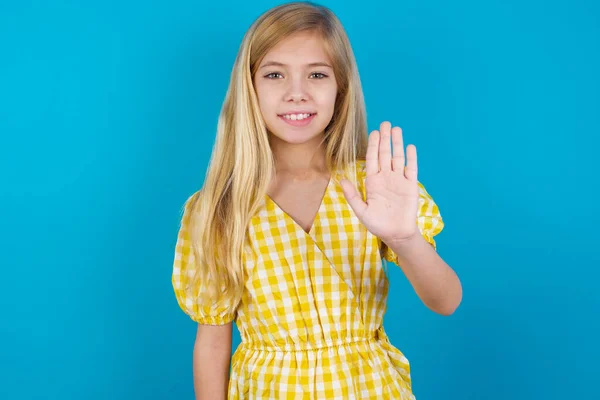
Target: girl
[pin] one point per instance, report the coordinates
(298, 209)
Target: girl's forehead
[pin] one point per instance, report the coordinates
(300, 42)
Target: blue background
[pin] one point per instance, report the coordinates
(108, 112)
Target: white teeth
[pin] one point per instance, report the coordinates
(296, 117)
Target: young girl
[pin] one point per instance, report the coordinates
(299, 207)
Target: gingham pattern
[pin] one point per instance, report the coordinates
(312, 312)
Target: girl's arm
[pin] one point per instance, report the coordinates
(436, 284)
(212, 357)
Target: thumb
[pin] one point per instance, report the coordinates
(353, 198)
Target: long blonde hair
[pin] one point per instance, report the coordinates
(242, 163)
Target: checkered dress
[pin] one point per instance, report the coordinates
(312, 311)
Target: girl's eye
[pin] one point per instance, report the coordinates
(277, 75)
(319, 75)
(270, 76)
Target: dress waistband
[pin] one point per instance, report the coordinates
(306, 346)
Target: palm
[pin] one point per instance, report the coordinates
(392, 191)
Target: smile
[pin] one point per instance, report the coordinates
(301, 119)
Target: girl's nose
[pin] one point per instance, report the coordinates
(296, 97)
(297, 90)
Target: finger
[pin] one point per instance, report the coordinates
(353, 197)
(372, 160)
(398, 159)
(411, 170)
(385, 148)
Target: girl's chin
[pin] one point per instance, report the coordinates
(296, 136)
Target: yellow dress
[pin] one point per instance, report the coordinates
(311, 316)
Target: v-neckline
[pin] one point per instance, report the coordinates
(317, 214)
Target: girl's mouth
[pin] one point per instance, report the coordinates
(298, 119)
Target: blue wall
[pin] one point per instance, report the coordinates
(108, 112)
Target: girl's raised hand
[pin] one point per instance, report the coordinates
(392, 191)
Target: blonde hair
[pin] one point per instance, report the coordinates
(242, 163)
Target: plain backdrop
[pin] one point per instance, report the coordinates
(108, 114)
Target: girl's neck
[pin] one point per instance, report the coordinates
(302, 159)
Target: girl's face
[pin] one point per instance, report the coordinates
(296, 88)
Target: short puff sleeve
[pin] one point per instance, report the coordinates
(183, 266)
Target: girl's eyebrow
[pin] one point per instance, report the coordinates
(278, 64)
